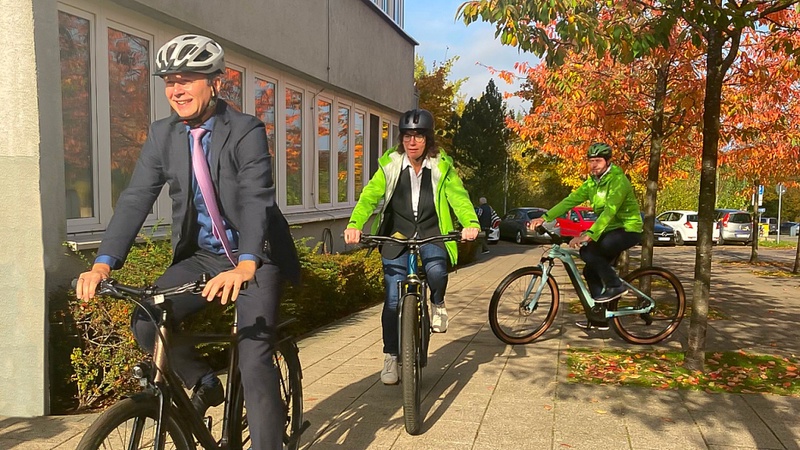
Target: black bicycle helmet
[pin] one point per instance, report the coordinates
(599, 150)
(418, 120)
(190, 53)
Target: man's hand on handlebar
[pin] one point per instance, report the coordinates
(579, 240)
(352, 235)
(86, 286)
(535, 223)
(469, 234)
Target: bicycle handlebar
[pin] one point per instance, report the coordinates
(557, 239)
(375, 239)
(114, 288)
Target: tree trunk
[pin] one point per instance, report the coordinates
(656, 142)
(695, 353)
(796, 268)
(754, 225)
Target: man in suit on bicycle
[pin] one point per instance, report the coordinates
(224, 222)
(618, 226)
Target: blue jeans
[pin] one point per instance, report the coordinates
(434, 262)
(598, 256)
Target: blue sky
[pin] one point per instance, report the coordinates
(432, 24)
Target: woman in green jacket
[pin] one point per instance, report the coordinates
(418, 185)
(618, 226)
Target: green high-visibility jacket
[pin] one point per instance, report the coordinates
(612, 199)
(448, 192)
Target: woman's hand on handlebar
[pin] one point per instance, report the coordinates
(352, 235)
(469, 234)
(535, 223)
(86, 286)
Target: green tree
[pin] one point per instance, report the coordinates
(479, 144)
(439, 95)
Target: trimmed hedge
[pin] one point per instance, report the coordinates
(98, 339)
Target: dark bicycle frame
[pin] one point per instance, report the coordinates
(163, 383)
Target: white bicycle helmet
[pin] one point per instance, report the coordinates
(190, 53)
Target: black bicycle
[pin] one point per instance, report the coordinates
(161, 416)
(414, 326)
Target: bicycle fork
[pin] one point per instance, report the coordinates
(530, 300)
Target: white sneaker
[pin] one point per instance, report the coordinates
(439, 319)
(389, 372)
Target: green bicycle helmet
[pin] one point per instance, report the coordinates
(599, 150)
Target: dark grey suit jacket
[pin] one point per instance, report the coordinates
(241, 169)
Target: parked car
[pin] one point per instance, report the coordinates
(790, 228)
(771, 222)
(514, 225)
(684, 223)
(734, 225)
(662, 234)
(576, 220)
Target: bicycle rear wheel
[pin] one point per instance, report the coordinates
(410, 371)
(666, 290)
(131, 424)
(291, 390)
(509, 317)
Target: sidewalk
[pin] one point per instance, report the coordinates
(479, 393)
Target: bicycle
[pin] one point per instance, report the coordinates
(648, 313)
(157, 417)
(414, 328)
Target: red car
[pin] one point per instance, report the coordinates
(576, 220)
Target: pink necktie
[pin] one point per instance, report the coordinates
(203, 177)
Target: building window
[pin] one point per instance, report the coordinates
(231, 88)
(343, 159)
(129, 102)
(265, 111)
(294, 147)
(386, 139)
(76, 110)
(358, 153)
(323, 152)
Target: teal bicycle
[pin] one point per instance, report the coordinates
(526, 302)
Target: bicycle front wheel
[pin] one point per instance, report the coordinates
(664, 288)
(511, 316)
(290, 378)
(131, 425)
(410, 371)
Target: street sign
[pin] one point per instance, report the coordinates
(762, 210)
(760, 194)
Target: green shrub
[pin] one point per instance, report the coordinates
(332, 287)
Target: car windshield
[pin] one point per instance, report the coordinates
(535, 214)
(588, 215)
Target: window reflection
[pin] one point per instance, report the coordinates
(129, 101)
(76, 113)
(294, 147)
(344, 152)
(265, 110)
(231, 88)
(385, 136)
(358, 153)
(324, 151)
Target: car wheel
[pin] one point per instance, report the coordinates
(518, 238)
(721, 241)
(678, 239)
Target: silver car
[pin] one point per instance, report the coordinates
(734, 225)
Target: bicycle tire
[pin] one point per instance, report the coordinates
(112, 429)
(410, 364)
(509, 322)
(290, 378)
(667, 291)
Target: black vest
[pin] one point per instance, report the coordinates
(399, 214)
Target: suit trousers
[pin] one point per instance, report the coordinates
(257, 314)
(434, 263)
(599, 256)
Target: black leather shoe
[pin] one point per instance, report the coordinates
(206, 396)
(610, 294)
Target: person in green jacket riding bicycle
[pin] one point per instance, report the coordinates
(618, 226)
(418, 185)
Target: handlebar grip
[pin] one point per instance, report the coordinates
(542, 230)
